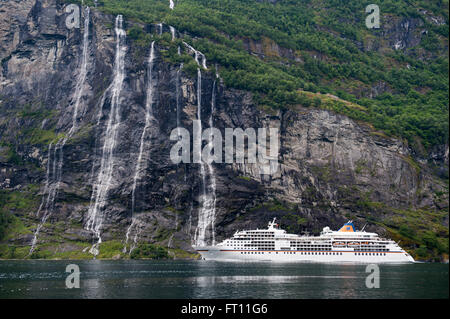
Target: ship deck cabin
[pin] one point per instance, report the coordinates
(272, 238)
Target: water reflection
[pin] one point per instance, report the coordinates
(204, 279)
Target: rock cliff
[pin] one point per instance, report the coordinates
(331, 168)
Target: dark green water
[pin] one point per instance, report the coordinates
(206, 279)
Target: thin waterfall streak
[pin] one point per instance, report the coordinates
(206, 215)
(171, 4)
(127, 234)
(47, 175)
(200, 231)
(172, 31)
(197, 54)
(52, 190)
(101, 187)
(210, 167)
(148, 118)
(178, 98)
(138, 231)
(160, 26)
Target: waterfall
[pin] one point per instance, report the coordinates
(197, 55)
(148, 119)
(104, 178)
(169, 243)
(172, 31)
(52, 189)
(160, 27)
(135, 223)
(212, 177)
(206, 213)
(178, 97)
(171, 4)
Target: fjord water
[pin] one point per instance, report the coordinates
(207, 279)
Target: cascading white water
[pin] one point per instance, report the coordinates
(148, 119)
(169, 243)
(44, 201)
(177, 86)
(105, 175)
(212, 178)
(171, 4)
(137, 225)
(200, 232)
(172, 31)
(51, 189)
(160, 26)
(206, 214)
(197, 55)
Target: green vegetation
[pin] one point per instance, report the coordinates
(417, 107)
(293, 223)
(8, 154)
(12, 205)
(13, 251)
(245, 178)
(5, 220)
(109, 249)
(422, 233)
(274, 206)
(149, 251)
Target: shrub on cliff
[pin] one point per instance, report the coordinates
(149, 251)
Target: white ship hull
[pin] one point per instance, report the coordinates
(221, 254)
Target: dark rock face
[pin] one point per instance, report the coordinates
(327, 161)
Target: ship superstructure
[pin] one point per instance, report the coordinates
(274, 244)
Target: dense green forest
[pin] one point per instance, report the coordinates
(415, 107)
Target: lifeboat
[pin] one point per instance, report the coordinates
(339, 244)
(353, 243)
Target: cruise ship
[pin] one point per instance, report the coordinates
(274, 244)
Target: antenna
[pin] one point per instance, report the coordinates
(364, 227)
